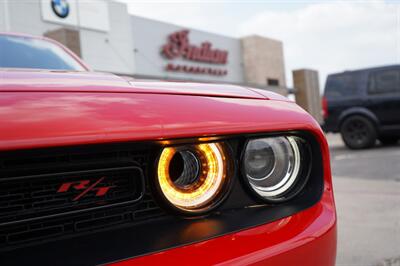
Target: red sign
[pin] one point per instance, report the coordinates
(178, 45)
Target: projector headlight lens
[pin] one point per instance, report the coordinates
(192, 177)
(272, 165)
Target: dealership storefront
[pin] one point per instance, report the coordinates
(109, 39)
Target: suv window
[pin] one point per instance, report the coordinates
(341, 85)
(25, 52)
(384, 81)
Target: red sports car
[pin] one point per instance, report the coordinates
(101, 169)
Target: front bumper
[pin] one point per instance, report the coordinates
(306, 238)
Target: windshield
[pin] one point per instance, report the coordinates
(25, 52)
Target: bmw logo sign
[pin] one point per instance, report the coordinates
(60, 8)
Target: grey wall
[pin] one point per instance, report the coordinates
(150, 35)
(112, 51)
(25, 17)
(103, 51)
(2, 15)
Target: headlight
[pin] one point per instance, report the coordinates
(193, 177)
(272, 166)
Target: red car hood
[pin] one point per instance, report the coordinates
(59, 81)
(41, 109)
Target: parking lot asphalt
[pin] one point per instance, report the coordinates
(367, 193)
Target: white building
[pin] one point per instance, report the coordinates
(109, 39)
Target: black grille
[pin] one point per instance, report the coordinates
(61, 192)
(32, 197)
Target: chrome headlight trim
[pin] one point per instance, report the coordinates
(294, 161)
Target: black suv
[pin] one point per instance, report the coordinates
(363, 105)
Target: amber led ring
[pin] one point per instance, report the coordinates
(193, 178)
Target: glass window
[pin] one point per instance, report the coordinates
(23, 52)
(386, 81)
(273, 82)
(341, 85)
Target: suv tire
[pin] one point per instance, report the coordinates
(358, 132)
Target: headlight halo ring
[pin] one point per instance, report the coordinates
(221, 193)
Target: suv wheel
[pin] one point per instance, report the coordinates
(388, 140)
(358, 132)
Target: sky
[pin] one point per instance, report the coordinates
(329, 36)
